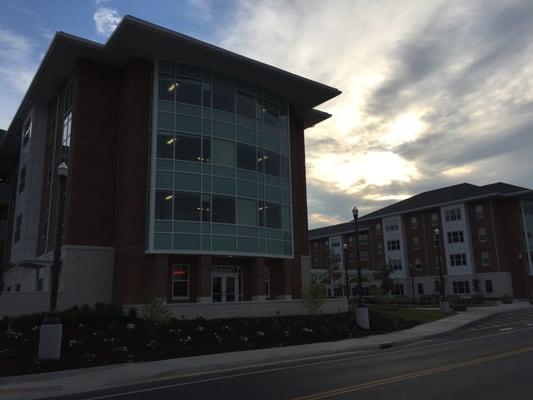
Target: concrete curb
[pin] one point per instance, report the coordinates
(130, 374)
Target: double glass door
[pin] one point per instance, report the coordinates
(225, 287)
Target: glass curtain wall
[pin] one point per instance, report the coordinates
(222, 179)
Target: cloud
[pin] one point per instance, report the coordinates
(106, 20)
(434, 93)
(201, 10)
(17, 67)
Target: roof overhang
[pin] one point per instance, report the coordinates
(135, 38)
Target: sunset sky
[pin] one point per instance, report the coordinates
(434, 92)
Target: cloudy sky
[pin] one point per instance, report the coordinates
(434, 92)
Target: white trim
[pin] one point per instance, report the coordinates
(219, 253)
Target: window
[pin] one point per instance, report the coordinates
(165, 146)
(22, 179)
(437, 262)
(18, 227)
(363, 240)
(414, 224)
(163, 204)
(180, 281)
(418, 264)
(396, 265)
(44, 229)
(434, 219)
(246, 157)
(391, 226)
(420, 288)
(187, 147)
(378, 228)
(416, 243)
(485, 258)
(456, 237)
(206, 94)
(457, 260)
(223, 98)
(270, 113)
(272, 163)
(187, 206)
(187, 91)
(488, 286)
(482, 234)
(267, 281)
(461, 287)
(363, 256)
(39, 284)
(223, 152)
(397, 289)
(480, 212)
(285, 170)
(26, 132)
(67, 131)
(246, 212)
(379, 247)
(273, 216)
(206, 207)
(223, 209)
(393, 245)
(17, 287)
(452, 214)
(245, 104)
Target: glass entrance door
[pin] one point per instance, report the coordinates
(225, 287)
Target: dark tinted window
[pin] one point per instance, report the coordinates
(186, 206)
(273, 215)
(188, 147)
(223, 98)
(223, 209)
(245, 104)
(260, 160)
(285, 167)
(165, 146)
(261, 213)
(188, 91)
(163, 204)
(272, 163)
(206, 207)
(206, 149)
(270, 113)
(167, 89)
(206, 99)
(246, 157)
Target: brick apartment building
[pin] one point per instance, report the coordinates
(186, 176)
(486, 243)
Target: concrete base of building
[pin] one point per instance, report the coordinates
(361, 317)
(284, 297)
(203, 300)
(245, 309)
(259, 298)
(445, 307)
(50, 336)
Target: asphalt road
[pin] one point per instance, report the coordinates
(490, 360)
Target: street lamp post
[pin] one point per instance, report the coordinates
(412, 273)
(346, 286)
(444, 304)
(51, 331)
(361, 311)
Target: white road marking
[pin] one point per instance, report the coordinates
(506, 329)
(288, 367)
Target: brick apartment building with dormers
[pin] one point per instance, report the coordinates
(486, 243)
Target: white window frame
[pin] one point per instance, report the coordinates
(414, 223)
(480, 211)
(393, 245)
(482, 235)
(456, 237)
(485, 258)
(416, 243)
(453, 214)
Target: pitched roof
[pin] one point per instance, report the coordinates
(136, 38)
(449, 194)
(339, 229)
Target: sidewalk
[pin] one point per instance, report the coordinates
(97, 378)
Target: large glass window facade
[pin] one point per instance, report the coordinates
(222, 165)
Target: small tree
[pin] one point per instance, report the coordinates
(156, 312)
(313, 298)
(383, 275)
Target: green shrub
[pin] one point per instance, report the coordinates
(156, 312)
(132, 313)
(477, 299)
(313, 298)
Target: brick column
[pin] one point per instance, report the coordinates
(203, 279)
(284, 279)
(257, 279)
(160, 275)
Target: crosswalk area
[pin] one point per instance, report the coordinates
(506, 321)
